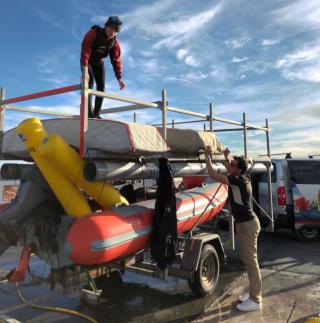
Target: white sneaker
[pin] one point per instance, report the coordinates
(248, 306)
(243, 297)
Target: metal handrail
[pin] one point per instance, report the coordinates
(39, 111)
(41, 94)
(138, 104)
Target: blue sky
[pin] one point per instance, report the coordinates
(258, 57)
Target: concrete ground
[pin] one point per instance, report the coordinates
(291, 287)
(291, 284)
(291, 292)
(287, 297)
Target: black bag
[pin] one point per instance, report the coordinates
(164, 232)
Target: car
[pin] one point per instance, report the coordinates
(295, 196)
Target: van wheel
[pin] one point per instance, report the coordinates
(207, 275)
(308, 234)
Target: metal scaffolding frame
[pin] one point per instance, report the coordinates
(5, 104)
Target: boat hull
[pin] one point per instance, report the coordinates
(118, 232)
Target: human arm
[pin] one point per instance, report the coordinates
(86, 47)
(115, 58)
(122, 84)
(227, 158)
(211, 171)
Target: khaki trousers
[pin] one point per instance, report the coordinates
(248, 236)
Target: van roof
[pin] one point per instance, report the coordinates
(297, 159)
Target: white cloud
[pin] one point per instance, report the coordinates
(172, 41)
(270, 42)
(146, 53)
(303, 64)
(165, 25)
(185, 25)
(147, 14)
(188, 77)
(309, 73)
(191, 61)
(150, 66)
(300, 56)
(301, 13)
(306, 114)
(125, 49)
(181, 53)
(214, 73)
(304, 141)
(258, 66)
(239, 60)
(236, 43)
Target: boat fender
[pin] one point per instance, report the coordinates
(164, 231)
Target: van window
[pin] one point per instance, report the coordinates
(305, 172)
(264, 177)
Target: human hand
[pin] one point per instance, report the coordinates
(86, 79)
(226, 153)
(208, 151)
(122, 84)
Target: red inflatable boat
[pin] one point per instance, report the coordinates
(121, 231)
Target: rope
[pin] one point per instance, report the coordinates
(190, 232)
(60, 310)
(265, 213)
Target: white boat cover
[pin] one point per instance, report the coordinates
(190, 141)
(117, 137)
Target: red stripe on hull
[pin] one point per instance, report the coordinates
(111, 234)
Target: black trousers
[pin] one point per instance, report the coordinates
(96, 74)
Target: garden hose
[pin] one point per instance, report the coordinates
(54, 309)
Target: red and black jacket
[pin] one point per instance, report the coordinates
(96, 46)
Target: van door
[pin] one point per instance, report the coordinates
(305, 186)
(278, 190)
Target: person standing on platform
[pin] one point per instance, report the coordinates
(97, 44)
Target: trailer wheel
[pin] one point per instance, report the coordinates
(206, 277)
(308, 234)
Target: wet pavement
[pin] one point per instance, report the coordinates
(291, 290)
(291, 285)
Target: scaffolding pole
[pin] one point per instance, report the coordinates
(2, 96)
(164, 114)
(271, 226)
(245, 136)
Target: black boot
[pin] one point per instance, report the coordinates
(90, 113)
(96, 114)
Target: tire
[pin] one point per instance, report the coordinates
(207, 275)
(308, 234)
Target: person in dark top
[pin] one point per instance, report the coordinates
(97, 44)
(247, 223)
